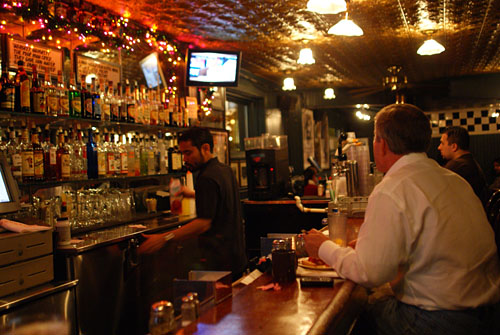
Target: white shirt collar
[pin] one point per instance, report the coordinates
(405, 160)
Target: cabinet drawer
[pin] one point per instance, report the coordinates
(17, 247)
(20, 276)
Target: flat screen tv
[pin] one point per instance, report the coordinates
(212, 67)
(151, 68)
(9, 191)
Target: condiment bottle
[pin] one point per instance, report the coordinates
(161, 318)
(188, 311)
(284, 261)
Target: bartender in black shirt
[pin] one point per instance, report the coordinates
(218, 224)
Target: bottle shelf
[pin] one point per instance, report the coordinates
(84, 182)
(67, 121)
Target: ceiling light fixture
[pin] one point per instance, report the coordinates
(346, 27)
(329, 94)
(288, 84)
(430, 47)
(326, 6)
(306, 56)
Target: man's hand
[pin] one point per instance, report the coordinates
(313, 240)
(153, 243)
(185, 192)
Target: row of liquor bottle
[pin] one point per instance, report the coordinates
(99, 101)
(52, 155)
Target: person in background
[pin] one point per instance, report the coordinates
(310, 181)
(454, 147)
(424, 231)
(218, 224)
(496, 182)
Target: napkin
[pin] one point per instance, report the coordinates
(19, 227)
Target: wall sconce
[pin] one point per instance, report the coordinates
(288, 84)
(306, 56)
(329, 94)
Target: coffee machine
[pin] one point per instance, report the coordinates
(267, 167)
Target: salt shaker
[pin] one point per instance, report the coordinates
(194, 296)
(188, 311)
(161, 319)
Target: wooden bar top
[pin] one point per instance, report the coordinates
(293, 310)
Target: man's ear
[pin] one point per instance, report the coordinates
(454, 147)
(205, 148)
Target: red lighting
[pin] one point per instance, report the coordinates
(271, 169)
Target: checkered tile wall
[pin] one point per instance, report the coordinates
(477, 120)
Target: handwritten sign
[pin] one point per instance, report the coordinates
(103, 70)
(33, 54)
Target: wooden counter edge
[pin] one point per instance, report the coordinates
(341, 313)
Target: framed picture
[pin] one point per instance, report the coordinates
(243, 174)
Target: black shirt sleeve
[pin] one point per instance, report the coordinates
(207, 198)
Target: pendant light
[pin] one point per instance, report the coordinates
(346, 27)
(327, 6)
(430, 47)
(329, 94)
(306, 56)
(288, 84)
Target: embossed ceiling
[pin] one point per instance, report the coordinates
(270, 34)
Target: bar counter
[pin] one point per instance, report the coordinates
(293, 310)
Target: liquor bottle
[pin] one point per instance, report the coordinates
(96, 101)
(102, 161)
(137, 148)
(38, 163)
(49, 155)
(75, 100)
(161, 154)
(110, 155)
(63, 94)
(14, 152)
(91, 156)
(153, 108)
(146, 108)
(130, 103)
(37, 99)
(52, 94)
(75, 157)
(115, 109)
(122, 105)
(123, 149)
(130, 157)
(28, 168)
(86, 99)
(174, 158)
(7, 92)
(152, 163)
(139, 108)
(106, 100)
(80, 143)
(115, 147)
(144, 145)
(63, 171)
(21, 89)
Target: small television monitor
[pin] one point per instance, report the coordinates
(212, 67)
(151, 68)
(9, 191)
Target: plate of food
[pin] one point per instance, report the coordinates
(313, 263)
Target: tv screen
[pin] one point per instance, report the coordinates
(9, 191)
(152, 70)
(212, 68)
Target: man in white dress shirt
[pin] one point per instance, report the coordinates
(425, 227)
